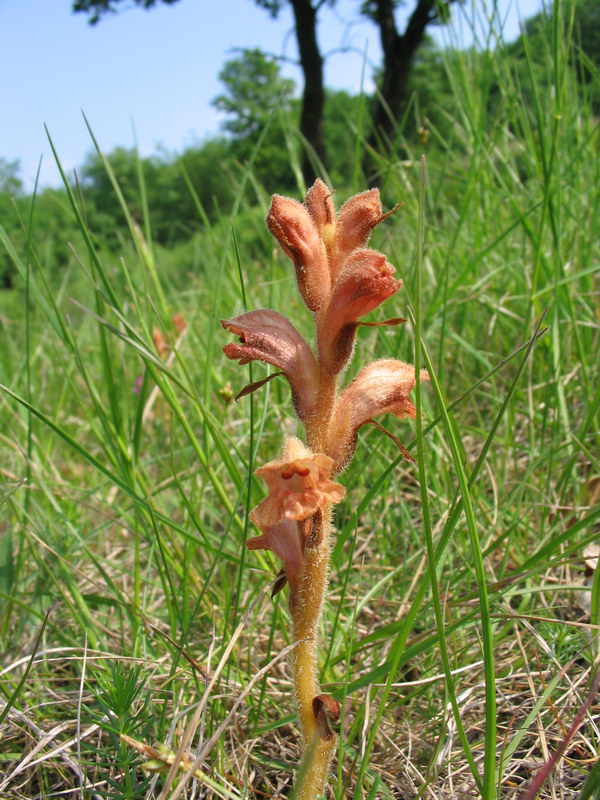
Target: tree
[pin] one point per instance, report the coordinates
(10, 183)
(311, 61)
(399, 50)
(256, 97)
(254, 90)
(99, 8)
(313, 98)
(585, 55)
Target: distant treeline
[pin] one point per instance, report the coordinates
(173, 197)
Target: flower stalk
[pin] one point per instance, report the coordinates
(340, 280)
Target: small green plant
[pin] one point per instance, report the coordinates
(121, 708)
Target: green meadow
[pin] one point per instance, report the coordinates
(461, 631)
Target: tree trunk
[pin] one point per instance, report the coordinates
(313, 98)
(398, 51)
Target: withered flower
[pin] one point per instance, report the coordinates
(270, 337)
(285, 540)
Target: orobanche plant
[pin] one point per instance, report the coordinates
(340, 280)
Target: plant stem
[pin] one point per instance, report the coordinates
(306, 613)
(317, 428)
(312, 773)
(306, 608)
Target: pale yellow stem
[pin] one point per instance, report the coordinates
(318, 426)
(306, 608)
(312, 773)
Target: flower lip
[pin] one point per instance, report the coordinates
(299, 485)
(287, 474)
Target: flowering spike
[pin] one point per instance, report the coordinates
(340, 280)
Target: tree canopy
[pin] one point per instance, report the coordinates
(399, 49)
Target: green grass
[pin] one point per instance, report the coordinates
(462, 621)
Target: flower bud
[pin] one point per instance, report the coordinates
(295, 230)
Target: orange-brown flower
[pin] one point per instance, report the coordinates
(318, 241)
(270, 337)
(295, 230)
(357, 218)
(179, 322)
(366, 280)
(160, 343)
(299, 485)
(380, 388)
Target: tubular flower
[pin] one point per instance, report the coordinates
(299, 485)
(366, 280)
(295, 230)
(357, 218)
(318, 241)
(268, 336)
(380, 388)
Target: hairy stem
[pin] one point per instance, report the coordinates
(317, 428)
(306, 609)
(312, 773)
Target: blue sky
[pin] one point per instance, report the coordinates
(157, 71)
